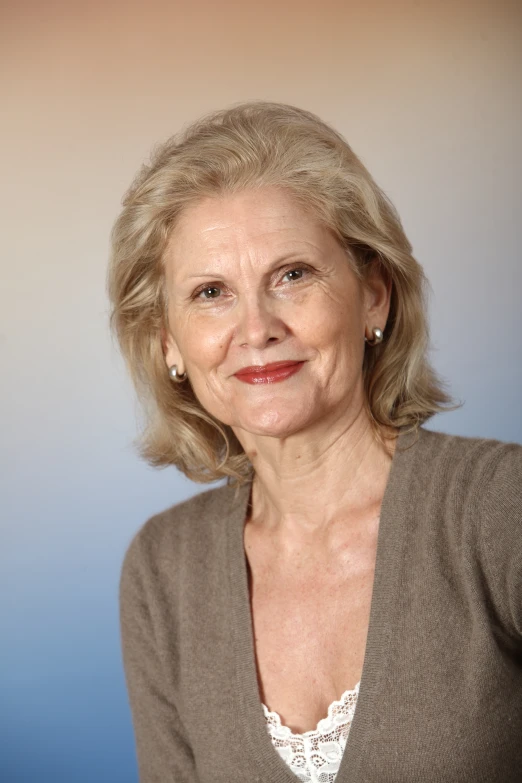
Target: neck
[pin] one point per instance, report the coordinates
(307, 482)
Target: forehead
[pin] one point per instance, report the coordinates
(250, 220)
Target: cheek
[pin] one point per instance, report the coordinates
(203, 343)
(332, 324)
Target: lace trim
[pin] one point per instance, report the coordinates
(315, 756)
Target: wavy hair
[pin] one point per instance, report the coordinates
(250, 145)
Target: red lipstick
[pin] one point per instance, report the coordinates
(268, 373)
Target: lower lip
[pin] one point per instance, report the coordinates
(270, 376)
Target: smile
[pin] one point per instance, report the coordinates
(271, 373)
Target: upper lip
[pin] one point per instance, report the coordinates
(266, 367)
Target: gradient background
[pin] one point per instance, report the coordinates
(427, 93)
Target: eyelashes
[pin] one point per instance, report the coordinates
(199, 291)
(217, 285)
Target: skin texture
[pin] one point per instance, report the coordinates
(253, 278)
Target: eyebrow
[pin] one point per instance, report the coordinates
(286, 257)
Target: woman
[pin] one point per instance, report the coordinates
(348, 605)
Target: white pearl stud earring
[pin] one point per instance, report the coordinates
(175, 375)
(377, 336)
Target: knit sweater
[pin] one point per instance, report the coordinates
(440, 697)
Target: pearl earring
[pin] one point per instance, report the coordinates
(175, 375)
(377, 336)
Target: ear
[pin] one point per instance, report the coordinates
(170, 350)
(377, 295)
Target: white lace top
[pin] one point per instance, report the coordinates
(315, 756)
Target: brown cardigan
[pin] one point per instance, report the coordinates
(440, 698)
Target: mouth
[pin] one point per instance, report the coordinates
(268, 373)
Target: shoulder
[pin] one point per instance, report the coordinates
(473, 486)
(489, 467)
(165, 540)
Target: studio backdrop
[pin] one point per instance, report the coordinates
(428, 95)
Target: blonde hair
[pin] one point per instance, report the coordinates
(250, 145)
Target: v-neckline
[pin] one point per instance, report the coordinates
(390, 544)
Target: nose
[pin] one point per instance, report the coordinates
(259, 322)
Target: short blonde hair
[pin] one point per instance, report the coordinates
(252, 145)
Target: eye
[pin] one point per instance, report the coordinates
(208, 289)
(299, 271)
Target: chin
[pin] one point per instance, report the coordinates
(273, 423)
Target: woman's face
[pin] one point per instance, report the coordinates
(253, 279)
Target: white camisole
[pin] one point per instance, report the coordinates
(315, 755)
